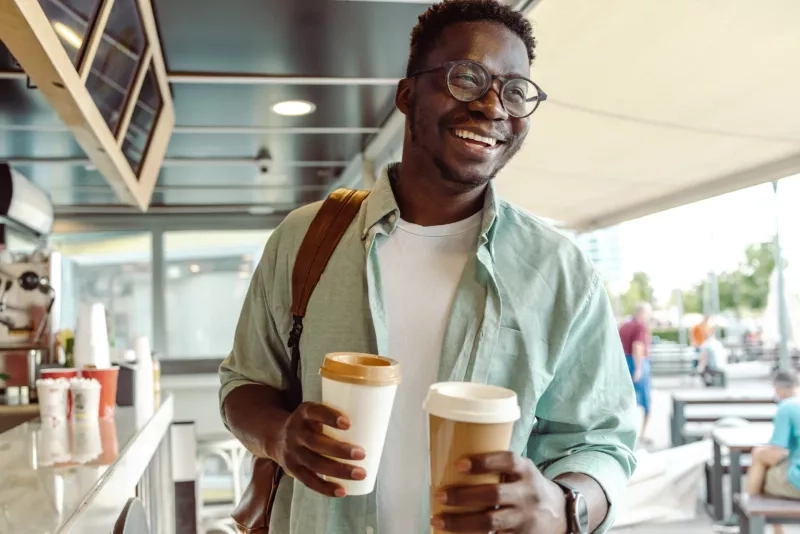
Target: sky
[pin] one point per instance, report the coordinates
(679, 246)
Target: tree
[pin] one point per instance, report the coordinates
(639, 290)
(745, 288)
(755, 275)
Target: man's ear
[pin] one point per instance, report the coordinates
(404, 96)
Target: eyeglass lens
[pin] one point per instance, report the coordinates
(469, 81)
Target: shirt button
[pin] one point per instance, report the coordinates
(392, 218)
(370, 530)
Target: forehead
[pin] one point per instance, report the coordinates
(491, 43)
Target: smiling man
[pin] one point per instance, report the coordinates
(438, 273)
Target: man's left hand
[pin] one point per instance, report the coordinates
(524, 502)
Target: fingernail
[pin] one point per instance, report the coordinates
(358, 473)
(441, 496)
(437, 522)
(343, 422)
(464, 466)
(340, 492)
(358, 454)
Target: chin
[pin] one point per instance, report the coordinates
(467, 176)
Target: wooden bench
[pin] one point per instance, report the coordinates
(756, 512)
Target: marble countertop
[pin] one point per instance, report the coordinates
(76, 476)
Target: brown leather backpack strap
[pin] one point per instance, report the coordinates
(321, 239)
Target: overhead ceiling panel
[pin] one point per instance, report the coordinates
(656, 104)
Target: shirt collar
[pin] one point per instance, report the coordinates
(382, 206)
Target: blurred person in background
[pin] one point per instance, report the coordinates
(635, 336)
(713, 357)
(775, 469)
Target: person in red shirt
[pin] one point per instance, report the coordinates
(635, 337)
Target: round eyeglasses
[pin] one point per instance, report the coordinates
(469, 80)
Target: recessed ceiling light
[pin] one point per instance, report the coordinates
(294, 107)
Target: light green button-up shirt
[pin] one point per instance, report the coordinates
(530, 314)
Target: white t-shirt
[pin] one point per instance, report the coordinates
(420, 271)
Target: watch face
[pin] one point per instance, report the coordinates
(581, 515)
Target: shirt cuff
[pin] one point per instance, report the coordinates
(602, 468)
(225, 390)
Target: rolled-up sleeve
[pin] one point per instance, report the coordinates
(257, 344)
(586, 418)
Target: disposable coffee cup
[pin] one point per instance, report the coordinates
(52, 395)
(466, 419)
(362, 387)
(85, 398)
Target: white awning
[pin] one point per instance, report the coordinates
(657, 104)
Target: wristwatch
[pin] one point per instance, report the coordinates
(577, 510)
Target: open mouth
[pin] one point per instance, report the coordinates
(474, 140)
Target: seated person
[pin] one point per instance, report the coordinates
(712, 359)
(775, 470)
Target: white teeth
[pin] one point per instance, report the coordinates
(469, 135)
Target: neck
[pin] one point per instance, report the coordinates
(427, 199)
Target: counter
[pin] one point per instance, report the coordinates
(78, 477)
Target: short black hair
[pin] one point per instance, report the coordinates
(785, 379)
(440, 15)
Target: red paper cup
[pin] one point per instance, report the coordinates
(108, 388)
(62, 373)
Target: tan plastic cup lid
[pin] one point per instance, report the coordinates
(362, 369)
(468, 402)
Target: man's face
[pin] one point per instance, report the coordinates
(434, 116)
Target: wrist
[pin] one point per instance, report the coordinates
(559, 509)
(274, 443)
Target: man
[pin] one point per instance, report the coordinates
(635, 337)
(713, 357)
(439, 274)
(775, 468)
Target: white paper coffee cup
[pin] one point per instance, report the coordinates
(85, 398)
(52, 394)
(363, 387)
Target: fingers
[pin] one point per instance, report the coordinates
(311, 480)
(503, 462)
(501, 519)
(482, 496)
(325, 466)
(326, 445)
(326, 415)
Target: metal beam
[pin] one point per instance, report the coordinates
(219, 130)
(182, 162)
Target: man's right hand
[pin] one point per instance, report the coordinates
(305, 452)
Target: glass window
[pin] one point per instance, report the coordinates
(142, 121)
(207, 277)
(71, 20)
(117, 61)
(113, 269)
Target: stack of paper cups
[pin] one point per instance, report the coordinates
(144, 394)
(91, 337)
(52, 393)
(85, 398)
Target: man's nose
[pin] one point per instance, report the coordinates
(490, 104)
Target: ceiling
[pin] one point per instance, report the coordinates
(651, 105)
(657, 104)
(226, 71)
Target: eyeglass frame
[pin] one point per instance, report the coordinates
(449, 65)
